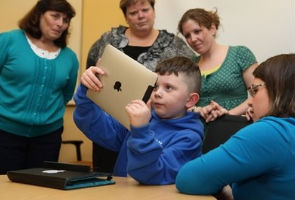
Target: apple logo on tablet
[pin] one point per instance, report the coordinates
(117, 86)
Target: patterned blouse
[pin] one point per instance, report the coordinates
(167, 45)
(226, 85)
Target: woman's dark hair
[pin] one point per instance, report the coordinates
(278, 73)
(201, 16)
(124, 4)
(30, 23)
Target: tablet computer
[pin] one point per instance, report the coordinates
(125, 80)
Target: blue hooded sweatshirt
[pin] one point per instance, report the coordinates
(151, 154)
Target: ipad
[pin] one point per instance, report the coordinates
(125, 80)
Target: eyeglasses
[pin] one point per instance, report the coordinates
(253, 89)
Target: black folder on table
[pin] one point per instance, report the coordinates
(61, 176)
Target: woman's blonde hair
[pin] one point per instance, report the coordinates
(124, 4)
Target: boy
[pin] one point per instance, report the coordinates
(160, 139)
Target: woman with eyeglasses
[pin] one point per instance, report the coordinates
(258, 161)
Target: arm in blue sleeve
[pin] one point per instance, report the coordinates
(97, 125)
(71, 84)
(4, 43)
(151, 162)
(247, 154)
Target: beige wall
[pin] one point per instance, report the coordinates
(93, 18)
(12, 10)
(98, 16)
(71, 132)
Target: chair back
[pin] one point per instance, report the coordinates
(219, 131)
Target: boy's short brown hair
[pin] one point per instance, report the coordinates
(183, 65)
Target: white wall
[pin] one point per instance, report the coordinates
(267, 27)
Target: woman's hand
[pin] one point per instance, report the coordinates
(90, 78)
(211, 111)
(249, 114)
(225, 194)
(216, 111)
(139, 113)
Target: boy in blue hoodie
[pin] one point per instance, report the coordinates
(163, 134)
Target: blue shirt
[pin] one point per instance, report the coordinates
(258, 161)
(151, 154)
(33, 90)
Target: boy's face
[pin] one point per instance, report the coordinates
(170, 96)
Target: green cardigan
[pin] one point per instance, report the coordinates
(33, 90)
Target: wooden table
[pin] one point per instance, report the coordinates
(124, 189)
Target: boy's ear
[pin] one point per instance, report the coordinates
(192, 100)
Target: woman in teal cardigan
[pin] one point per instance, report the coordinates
(258, 161)
(37, 78)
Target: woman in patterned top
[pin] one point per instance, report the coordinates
(142, 42)
(226, 70)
